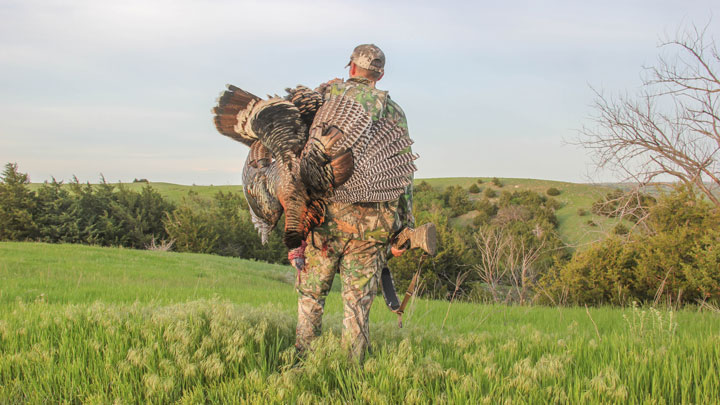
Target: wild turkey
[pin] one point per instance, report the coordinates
(305, 153)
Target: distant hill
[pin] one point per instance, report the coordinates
(574, 229)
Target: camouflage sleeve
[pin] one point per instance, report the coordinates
(324, 88)
(395, 113)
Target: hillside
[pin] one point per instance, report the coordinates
(575, 230)
(85, 324)
(174, 192)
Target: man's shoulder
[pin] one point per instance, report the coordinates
(392, 104)
(394, 112)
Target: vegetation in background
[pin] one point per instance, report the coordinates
(674, 258)
(114, 215)
(105, 214)
(16, 205)
(631, 205)
(221, 226)
(504, 249)
(526, 219)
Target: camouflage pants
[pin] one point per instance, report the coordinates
(359, 263)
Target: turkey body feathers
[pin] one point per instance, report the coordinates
(307, 102)
(259, 186)
(306, 152)
(382, 170)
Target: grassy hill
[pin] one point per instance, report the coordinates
(173, 192)
(83, 324)
(574, 229)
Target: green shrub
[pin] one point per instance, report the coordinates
(105, 214)
(17, 204)
(674, 260)
(552, 191)
(489, 193)
(497, 182)
(456, 198)
(621, 229)
(582, 212)
(424, 186)
(482, 218)
(474, 188)
(221, 226)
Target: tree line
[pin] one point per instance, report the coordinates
(113, 215)
(506, 250)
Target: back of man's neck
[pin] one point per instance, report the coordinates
(363, 80)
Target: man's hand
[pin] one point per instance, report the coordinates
(297, 257)
(396, 252)
(298, 263)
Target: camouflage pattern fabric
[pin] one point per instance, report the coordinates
(352, 241)
(359, 264)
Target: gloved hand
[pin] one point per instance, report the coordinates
(298, 263)
(297, 257)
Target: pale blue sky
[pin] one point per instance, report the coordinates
(125, 88)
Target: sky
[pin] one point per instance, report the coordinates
(124, 89)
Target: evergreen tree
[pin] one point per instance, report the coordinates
(17, 204)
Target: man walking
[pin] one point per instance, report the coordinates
(354, 238)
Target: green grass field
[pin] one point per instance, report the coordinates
(85, 324)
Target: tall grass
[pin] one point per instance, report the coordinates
(159, 332)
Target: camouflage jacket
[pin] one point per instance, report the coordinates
(369, 221)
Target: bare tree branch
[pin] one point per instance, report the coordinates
(672, 127)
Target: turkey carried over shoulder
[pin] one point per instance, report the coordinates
(306, 153)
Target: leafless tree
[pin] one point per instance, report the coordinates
(491, 243)
(163, 246)
(672, 127)
(507, 259)
(520, 257)
(632, 204)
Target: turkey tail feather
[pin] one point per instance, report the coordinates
(278, 125)
(231, 102)
(307, 102)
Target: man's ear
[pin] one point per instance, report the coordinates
(353, 69)
(381, 76)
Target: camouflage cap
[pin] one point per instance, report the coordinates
(368, 56)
